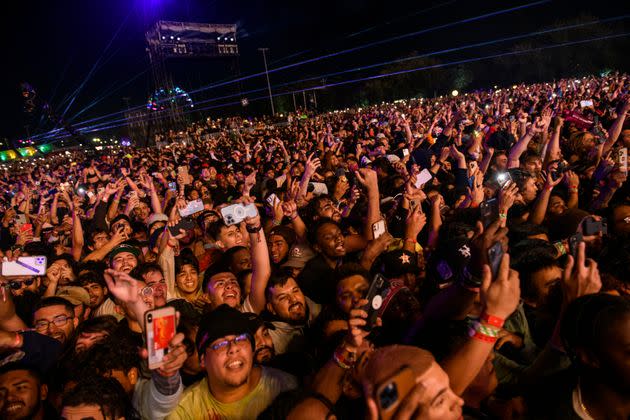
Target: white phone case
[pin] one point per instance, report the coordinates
(25, 266)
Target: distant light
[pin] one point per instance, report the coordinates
(178, 38)
(513, 86)
(218, 38)
(232, 39)
(172, 37)
(163, 37)
(455, 93)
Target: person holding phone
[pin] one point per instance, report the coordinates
(234, 387)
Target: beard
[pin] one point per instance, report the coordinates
(264, 354)
(296, 317)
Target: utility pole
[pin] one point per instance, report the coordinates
(264, 52)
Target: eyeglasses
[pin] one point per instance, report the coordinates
(239, 340)
(59, 321)
(17, 285)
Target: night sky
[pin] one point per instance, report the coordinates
(54, 44)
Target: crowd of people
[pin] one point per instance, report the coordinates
(422, 259)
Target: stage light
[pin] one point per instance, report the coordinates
(172, 37)
(178, 38)
(232, 39)
(163, 37)
(218, 38)
(455, 93)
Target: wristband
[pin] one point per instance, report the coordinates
(482, 337)
(492, 320)
(490, 331)
(254, 229)
(502, 215)
(294, 217)
(276, 223)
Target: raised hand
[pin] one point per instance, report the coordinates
(416, 220)
(368, 178)
(500, 296)
(312, 165)
(507, 196)
(580, 277)
(123, 286)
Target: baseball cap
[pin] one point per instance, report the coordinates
(221, 322)
(156, 217)
(399, 262)
(299, 255)
(124, 248)
(74, 294)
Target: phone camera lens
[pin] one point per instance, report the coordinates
(149, 318)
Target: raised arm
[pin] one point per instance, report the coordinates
(367, 177)
(499, 299)
(537, 215)
(617, 126)
(261, 266)
(77, 236)
(553, 147)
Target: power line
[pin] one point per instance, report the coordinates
(424, 55)
(379, 76)
(346, 51)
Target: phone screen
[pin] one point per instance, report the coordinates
(160, 330)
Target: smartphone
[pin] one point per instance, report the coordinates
(423, 177)
(591, 226)
(185, 223)
(574, 242)
(379, 228)
(393, 390)
(319, 188)
(622, 160)
(405, 152)
(375, 296)
(172, 186)
(489, 211)
(25, 266)
(272, 200)
(584, 104)
(495, 255)
(160, 329)
(26, 227)
(192, 207)
(504, 179)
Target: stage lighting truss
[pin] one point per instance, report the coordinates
(162, 97)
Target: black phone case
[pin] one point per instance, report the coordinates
(186, 224)
(375, 297)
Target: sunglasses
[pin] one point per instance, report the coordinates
(17, 285)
